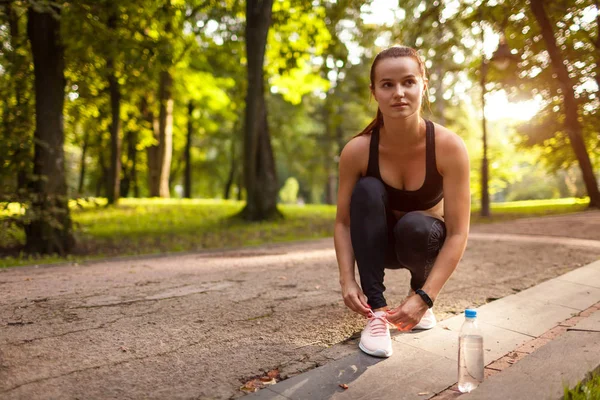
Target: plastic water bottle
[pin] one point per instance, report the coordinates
(470, 353)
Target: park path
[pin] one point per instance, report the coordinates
(200, 325)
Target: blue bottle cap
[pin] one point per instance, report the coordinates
(470, 313)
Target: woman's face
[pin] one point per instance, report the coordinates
(398, 87)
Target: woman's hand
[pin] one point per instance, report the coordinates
(354, 298)
(408, 314)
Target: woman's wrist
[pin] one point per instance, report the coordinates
(425, 297)
(345, 279)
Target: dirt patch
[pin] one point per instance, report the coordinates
(200, 326)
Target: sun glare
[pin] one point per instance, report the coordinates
(498, 107)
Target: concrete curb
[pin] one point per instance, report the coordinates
(424, 364)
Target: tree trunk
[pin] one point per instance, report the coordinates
(104, 171)
(232, 171)
(129, 169)
(152, 151)
(188, 156)
(572, 124)
(125, 172)
(240, 185)
(165, 135)
(440, 103)
(259, 165)
(330, 177)
(84, 147)
(50, 228)
(132, 155)
(114, 176)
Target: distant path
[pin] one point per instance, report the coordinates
(557, 240)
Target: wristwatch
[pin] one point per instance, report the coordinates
(425, 297)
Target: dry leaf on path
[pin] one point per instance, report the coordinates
(343, 386)
(251, 386)
(273, 373)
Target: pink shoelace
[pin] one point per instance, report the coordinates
(378, 324)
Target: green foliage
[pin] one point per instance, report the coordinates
(576, 30)
(289, 192)
(317, 69)
(588, 389)
(17, 102)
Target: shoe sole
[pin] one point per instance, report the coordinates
(376, 353)
(423, 327)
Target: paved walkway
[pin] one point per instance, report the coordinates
(201, 325)
(536, 342)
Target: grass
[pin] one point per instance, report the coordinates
(153, 226)
(530, 208)
(588, 389)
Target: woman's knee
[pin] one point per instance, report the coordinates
(412, 226)
(368, 192)
(418, 238)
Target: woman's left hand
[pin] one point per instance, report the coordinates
(408, 314)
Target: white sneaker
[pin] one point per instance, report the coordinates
(428, 321)
(375, 339)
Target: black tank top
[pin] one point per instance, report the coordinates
(430, 194)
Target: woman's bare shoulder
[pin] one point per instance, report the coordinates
(450, 150)
(447, 140)
(356, 151)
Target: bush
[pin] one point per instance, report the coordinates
(289, 192)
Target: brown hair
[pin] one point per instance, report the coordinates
(391, 52)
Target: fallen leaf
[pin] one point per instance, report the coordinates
(251, 386)
(343, 386)
(265, 380)
(123, 349)
(273, 373)
(446, 328)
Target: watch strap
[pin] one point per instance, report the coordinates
(425, 297)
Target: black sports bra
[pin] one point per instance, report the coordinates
(428, 195)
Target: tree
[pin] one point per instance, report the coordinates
(114, 178)
(49, 229)
(17, 103)
(259, 165)
(572, 124)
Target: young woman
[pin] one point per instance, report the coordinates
(403, 202)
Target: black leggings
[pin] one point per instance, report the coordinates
(380, 241)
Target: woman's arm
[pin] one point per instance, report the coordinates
(349, 173)
(454, 167)
(453, 164)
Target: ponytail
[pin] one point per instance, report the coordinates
(375, 124)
